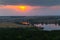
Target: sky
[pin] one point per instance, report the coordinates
(29, 7)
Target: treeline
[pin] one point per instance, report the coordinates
(32, 33)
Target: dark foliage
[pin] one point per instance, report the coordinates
(28, 34)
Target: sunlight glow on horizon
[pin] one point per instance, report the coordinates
(21, 8)
(28, 10)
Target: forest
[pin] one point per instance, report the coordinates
(32, 33)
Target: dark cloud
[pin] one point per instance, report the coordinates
(31, 2)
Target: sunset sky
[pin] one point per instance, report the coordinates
(29, 7)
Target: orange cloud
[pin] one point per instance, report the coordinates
(21, 8)
(18, 8)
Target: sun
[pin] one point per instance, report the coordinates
(24, 8)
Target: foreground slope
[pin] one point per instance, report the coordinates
(28, 34)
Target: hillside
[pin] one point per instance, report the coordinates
(28, 34)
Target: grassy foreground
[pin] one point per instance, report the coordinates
(28, 34)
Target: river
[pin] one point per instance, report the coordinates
(49, 26)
